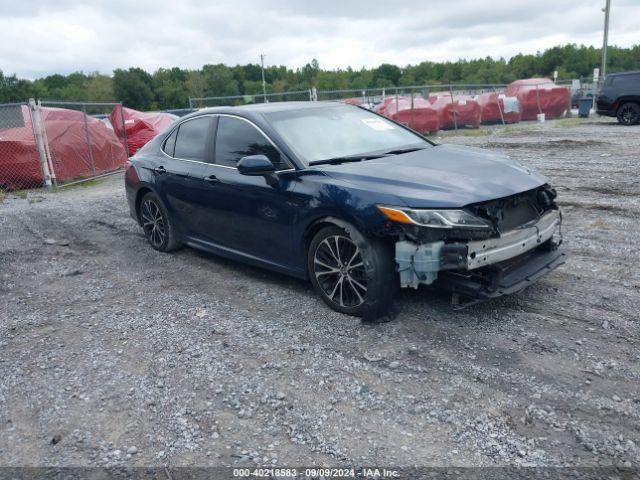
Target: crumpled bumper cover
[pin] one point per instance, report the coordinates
(502, 278)
(512, 243)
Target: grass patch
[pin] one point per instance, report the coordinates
(21, 194)
(478, 132)
(568, 122)
(464, 132)
(2, 196)
(511, 130)
(88, 183)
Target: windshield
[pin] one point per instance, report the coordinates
(335, 131)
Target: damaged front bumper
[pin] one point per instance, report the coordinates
(483, 269)
(503, 278)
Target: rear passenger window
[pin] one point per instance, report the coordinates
(170, 143)
(191, 142)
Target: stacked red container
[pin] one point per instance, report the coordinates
(493, 104)
(419, 114)
(464, 108)
(540, 95)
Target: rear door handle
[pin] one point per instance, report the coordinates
(212, 179)
(160, 170)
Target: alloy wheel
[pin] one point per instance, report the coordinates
(629, 115)
(153, 223)
(340, 272)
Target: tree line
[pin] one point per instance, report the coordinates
(171, 87)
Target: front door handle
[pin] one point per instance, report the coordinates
(211, 179)
(160, 170)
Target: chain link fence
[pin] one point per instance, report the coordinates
(56, 143)
(23, 162)
(49, 144)
(429, 108)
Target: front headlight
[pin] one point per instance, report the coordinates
(434, 218)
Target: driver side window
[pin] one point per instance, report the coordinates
(236, 139)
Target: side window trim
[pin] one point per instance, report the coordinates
(209, 148)
(290, 166)
(164, 142)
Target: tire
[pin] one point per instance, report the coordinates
(628, 113)
(353, 274)
(157, 225)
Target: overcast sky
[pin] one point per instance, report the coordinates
(38, 38)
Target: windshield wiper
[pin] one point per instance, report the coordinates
(345, 159)
(399, 151)
(359, 158)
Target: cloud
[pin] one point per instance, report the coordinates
(40, 38)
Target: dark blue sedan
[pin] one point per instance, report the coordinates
(354, 202)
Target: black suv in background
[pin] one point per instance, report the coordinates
(620, 97)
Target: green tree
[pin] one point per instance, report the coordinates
(386, 75)
(219, 81)
(100, 88)
(133, 88)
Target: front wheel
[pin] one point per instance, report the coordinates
(629, 113)
(353, 274)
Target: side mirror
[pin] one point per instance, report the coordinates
(256, 166)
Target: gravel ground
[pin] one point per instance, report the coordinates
(114, 354)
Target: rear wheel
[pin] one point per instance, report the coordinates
(158, 228)
(629, 113)
(353, 274)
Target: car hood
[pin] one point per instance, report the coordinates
(442, 176)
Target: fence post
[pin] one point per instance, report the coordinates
(36, 124)
(538, 98)
(499, 107)
(397, 109)
(453, 109)
(47, 151)
(413, 117)
(88, 138)
(190, 103)
(124, 129)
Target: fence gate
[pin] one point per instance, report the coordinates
(79, 140)
(23, 160)
(57, 143)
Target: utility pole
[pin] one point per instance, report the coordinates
(606, 9)
(264, 84)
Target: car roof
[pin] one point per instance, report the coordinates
(271, 107)
(617, 74)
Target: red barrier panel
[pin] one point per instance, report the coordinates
(381, 108)
(421, 116)
(466, 110)
(353, 101)
(19, 159)
(77, 150)
(490, 110)
(140, 127)
(540, 95)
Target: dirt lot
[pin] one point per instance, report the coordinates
(114, 354)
